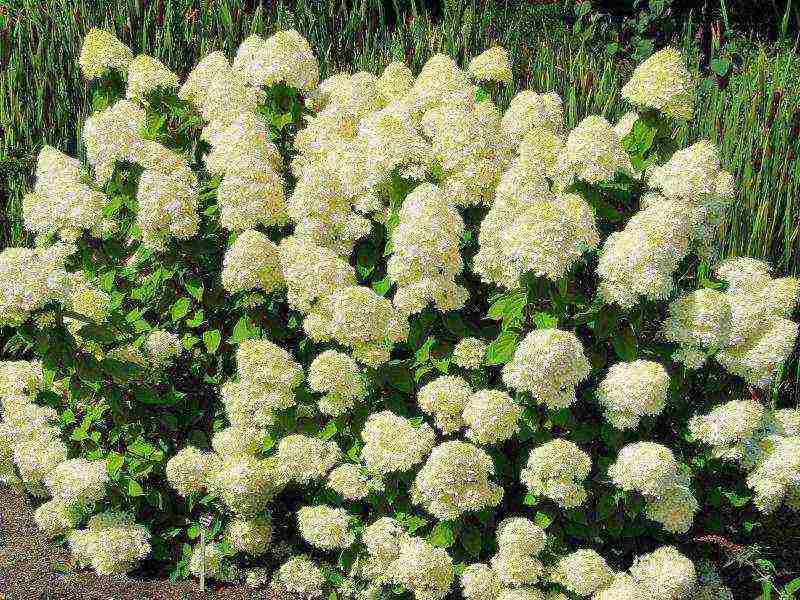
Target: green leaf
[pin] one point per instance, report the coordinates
(530, 499)
(481, 94)
(399, 377)
(211, 339)
(544, 320)
(720, 66)
(624, 343)
(180, 309)
(195, 288)
(114, 463)
(543, 520)
(244, 330)
(502, 349)
(509, 307)
(442, 536)
(606, 506)
(382, 286)
(329, 431)
(134, 489)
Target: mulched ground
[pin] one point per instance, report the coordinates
(32, 568)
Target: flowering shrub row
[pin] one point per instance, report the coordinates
(390, 339)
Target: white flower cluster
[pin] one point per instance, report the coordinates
(652, 470)
(392, 443)
(354, 482)
(30, 279)
(519, 544)
(338, 378)
(299, 577)
(664, 574)
(456, 479)
(662, 83)
(469, 353)
(325, 527)
(556, 470)
(764, 442)
(358, 318)
(395, 557)
(112, 542)
(490, 416)
(583, 572)
(681, 212)
(549, 364)
(146, 74)
(252, 262)
(426, 255)
(631, 390)
(267, 378)
(62, 202)
(32, 454)
(101, 52)
(746, 328)
(234, 472)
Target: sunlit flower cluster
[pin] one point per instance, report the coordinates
(338, 378)
(745, 328)
(267, 378)
(426, 256)
(631, 390)
(358, 318)
(325, 527)
(548, 364)
(557, 470)
(469, 353)
(112, 542)
(456, 479)
(583, 572)
(663, 83)
(393, 443)
(652, 470)
(102, 51)
(764, 442)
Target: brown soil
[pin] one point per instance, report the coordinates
(34, 568)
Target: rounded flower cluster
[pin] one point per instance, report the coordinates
(549, 364)
(426, 255)
(662, 83)
(351, 482)
(337, 377)
(469, 353)
(267, 378)
(325, 527)
(30, 279)
(146, 74)
(358, 318)
(745, 328)
(392, 443)
(112, 542)
(423, 569)
(305, 459)
(102, 51)
(188, 470)
(519, 544)
(651, 470)
(455, 480)
(78, 481)
(299, 576)
(62, 202)
(556, 470)
(491, 417)
(444, 398)
(631, 390)
(592, 153)
(583, 572)
(491, 65)
(208, 560)
(284, 57)
(252, 262)
(664, 574)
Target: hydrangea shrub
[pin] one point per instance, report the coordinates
(385, 337)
